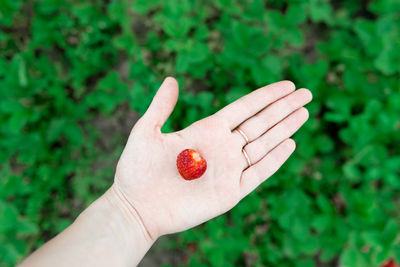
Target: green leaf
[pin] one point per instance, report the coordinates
(305, 263)
(234, 94)
(390, 233)
(26, 227)
(300, 229)
(396, 252)
(388, 61)
(8, 217)
(320, 11)
(22, 76)
(350, 258)
(296, 14)
(144, 6)
(321, 222)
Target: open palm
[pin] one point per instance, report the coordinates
(147, 177)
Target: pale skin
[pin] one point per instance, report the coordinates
(149, 198)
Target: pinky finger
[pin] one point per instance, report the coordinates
(259, 172)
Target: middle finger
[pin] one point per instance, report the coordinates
(271, 115)
(257, 149)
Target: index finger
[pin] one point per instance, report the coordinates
(250, 104)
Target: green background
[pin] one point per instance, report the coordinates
(75, 76)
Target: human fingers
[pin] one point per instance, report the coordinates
(248, 105)
(257, 149)
(271, 115)
(256, 174)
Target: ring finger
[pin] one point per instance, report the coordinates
(257, 149)
(267, 118)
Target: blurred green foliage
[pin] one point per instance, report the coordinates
(66, 64)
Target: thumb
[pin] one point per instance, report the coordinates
(163, 103)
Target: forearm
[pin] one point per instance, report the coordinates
(107, 233)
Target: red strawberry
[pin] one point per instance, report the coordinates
(190, 164)
(390, 263)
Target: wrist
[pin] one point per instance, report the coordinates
(117, 199)
(107, 233)
(123, 223)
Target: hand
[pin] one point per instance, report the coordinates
(147, 178)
